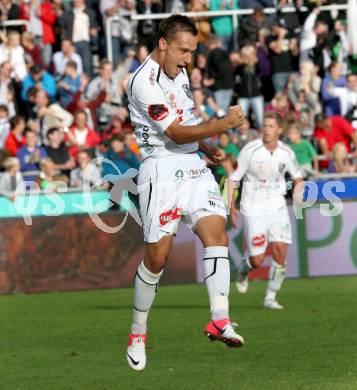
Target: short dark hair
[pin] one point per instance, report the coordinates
(174, 24)
(51, 131)
(15, 120)
(4, 108)
(118, 137)
(274, 115)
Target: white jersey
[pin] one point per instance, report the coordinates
(264, 176)
(155, 101)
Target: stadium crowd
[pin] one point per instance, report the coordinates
(62, 102)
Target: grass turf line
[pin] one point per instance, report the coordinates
(78, 340)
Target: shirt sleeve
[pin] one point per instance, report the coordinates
(292, 166)
(243, 165)
(152, 103)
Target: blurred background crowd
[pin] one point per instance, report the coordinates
(63, 99)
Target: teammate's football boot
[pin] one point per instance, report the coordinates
(135, 355)
(223, 330)
(272, 304)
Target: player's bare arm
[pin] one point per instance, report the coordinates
(186, 134)
(216, 155)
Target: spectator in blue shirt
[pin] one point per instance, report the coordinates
(69, 84)
(41, 80)
(121, 156)
(332, 80)
(30, 155)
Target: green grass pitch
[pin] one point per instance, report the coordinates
(78, 340)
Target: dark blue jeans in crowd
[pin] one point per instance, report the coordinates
(84, 50)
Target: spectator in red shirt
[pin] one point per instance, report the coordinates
(15, 140)
(331, 130)
(80, 135)
(44, 13)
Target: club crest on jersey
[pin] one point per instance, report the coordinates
(281, 167)
(179, 174)
(258, 240)
(188, 91)
(158, 112)
(170, 215)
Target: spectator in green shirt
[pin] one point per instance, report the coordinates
(222, 171)
(305, 153)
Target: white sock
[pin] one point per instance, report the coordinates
(145, 288)
(276, 278)
(217, 279)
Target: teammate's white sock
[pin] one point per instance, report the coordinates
(217, 279)
(145, 288)
(276, 278)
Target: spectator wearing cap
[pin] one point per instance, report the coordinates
(30, 156)
(250, 27)
(41, 17)
(11, 180)
(80, 135)
(15, 139)
(40, 79)
(332, 80)
(284, 51)
(220, 73)
(80, 26)
(12, 51)
(67, 53)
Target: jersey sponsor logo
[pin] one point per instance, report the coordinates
(190, 173)
(152, 76)
(170, 215)
(188, 91)
(158, 112)
(145, 136)
(258, 240)
(215, 195)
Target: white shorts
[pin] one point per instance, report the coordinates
(260, 230)
(174, 188)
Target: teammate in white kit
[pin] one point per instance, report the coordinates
(263, 164)
(174, 183)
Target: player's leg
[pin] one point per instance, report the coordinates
(276, 275)
(145, 287)
(211, 230)
(280, 236)
(255, 234)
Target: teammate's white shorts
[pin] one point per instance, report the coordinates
(175, 188)
(260, 230)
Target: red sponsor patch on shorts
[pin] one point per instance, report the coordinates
(258, 240)
(170, 215)
(158, 112)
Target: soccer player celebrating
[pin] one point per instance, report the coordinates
(174, 183)
(263, 164)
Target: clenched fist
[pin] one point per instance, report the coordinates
(235, 117)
